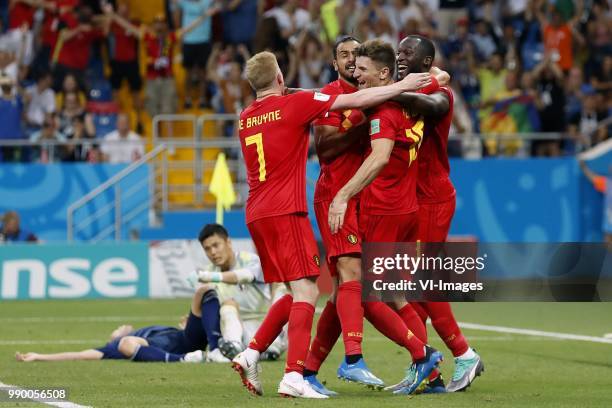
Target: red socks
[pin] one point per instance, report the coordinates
(443, 320)
(420, 311)
(270, 328)
(300, 325)
(389, 323)
(328, 331)
(350, 313)
(413, 321)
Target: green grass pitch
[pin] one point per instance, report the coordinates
(521, 370)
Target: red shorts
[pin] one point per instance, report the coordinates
(344, 242)
(435, 220)
(286, 246)
(389, 228)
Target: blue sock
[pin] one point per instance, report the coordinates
(211, 321)
(154, 354)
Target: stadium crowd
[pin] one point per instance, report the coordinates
(517, 67)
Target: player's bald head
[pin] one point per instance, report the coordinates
(417, 53)
(262, 70)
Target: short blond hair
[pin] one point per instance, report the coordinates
(261, 70)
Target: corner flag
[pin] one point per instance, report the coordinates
(221, 187)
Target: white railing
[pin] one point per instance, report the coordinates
(120, 219)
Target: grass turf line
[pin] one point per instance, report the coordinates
(519, 371)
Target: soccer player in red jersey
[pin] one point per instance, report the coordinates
(388, 205)
(339, 138)
(274, 133)
(436, 199)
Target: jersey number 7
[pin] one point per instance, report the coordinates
(257, 140)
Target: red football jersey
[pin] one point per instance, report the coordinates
(393, 191)
(160, 54)
(274, 135)
(19, 14)
(123, 45)
(337, 172)
(434, 184)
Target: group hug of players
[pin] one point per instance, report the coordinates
(372, 188)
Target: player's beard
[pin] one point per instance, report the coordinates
(347, 75)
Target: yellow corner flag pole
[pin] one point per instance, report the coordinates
(221, 187)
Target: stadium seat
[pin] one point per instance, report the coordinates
(100, 91)
(105, 123)
(104, 116)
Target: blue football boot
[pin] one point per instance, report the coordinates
(420, 371)
(359, 373)
(318, 386)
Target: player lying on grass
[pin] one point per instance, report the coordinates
(340, 140)
(244, 297)
(274, 133)
(156, 343)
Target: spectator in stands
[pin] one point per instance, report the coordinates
(373, 23)
(312, 53)
(123, 55)
(94, 155)
(584, 125)
(549, 83)
(510, 115)
(40, 100)
(21, 12)
(530, 42)
(8, 63)
(196, 46)
(559, 35)
(509, 47)
(11, 110)
(491, 77)
(11, 231)
(122, 145)
(290, 17)
(74, 45)
(48, 153)
(602, 77)
(78, 133)
(73, 108)
(159, 42)
(573, 92)
(400, 11)
(243, 14)
(234, 91)
(69, 85)
(19, 42)
(449, 12)
(56, 15)
(484, 40)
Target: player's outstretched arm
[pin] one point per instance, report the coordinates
(89, 354)
(375, 96)
(434, 105)
(331, 141)
(244, 275)
(372, 165)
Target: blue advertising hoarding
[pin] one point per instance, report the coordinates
(41, 194)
